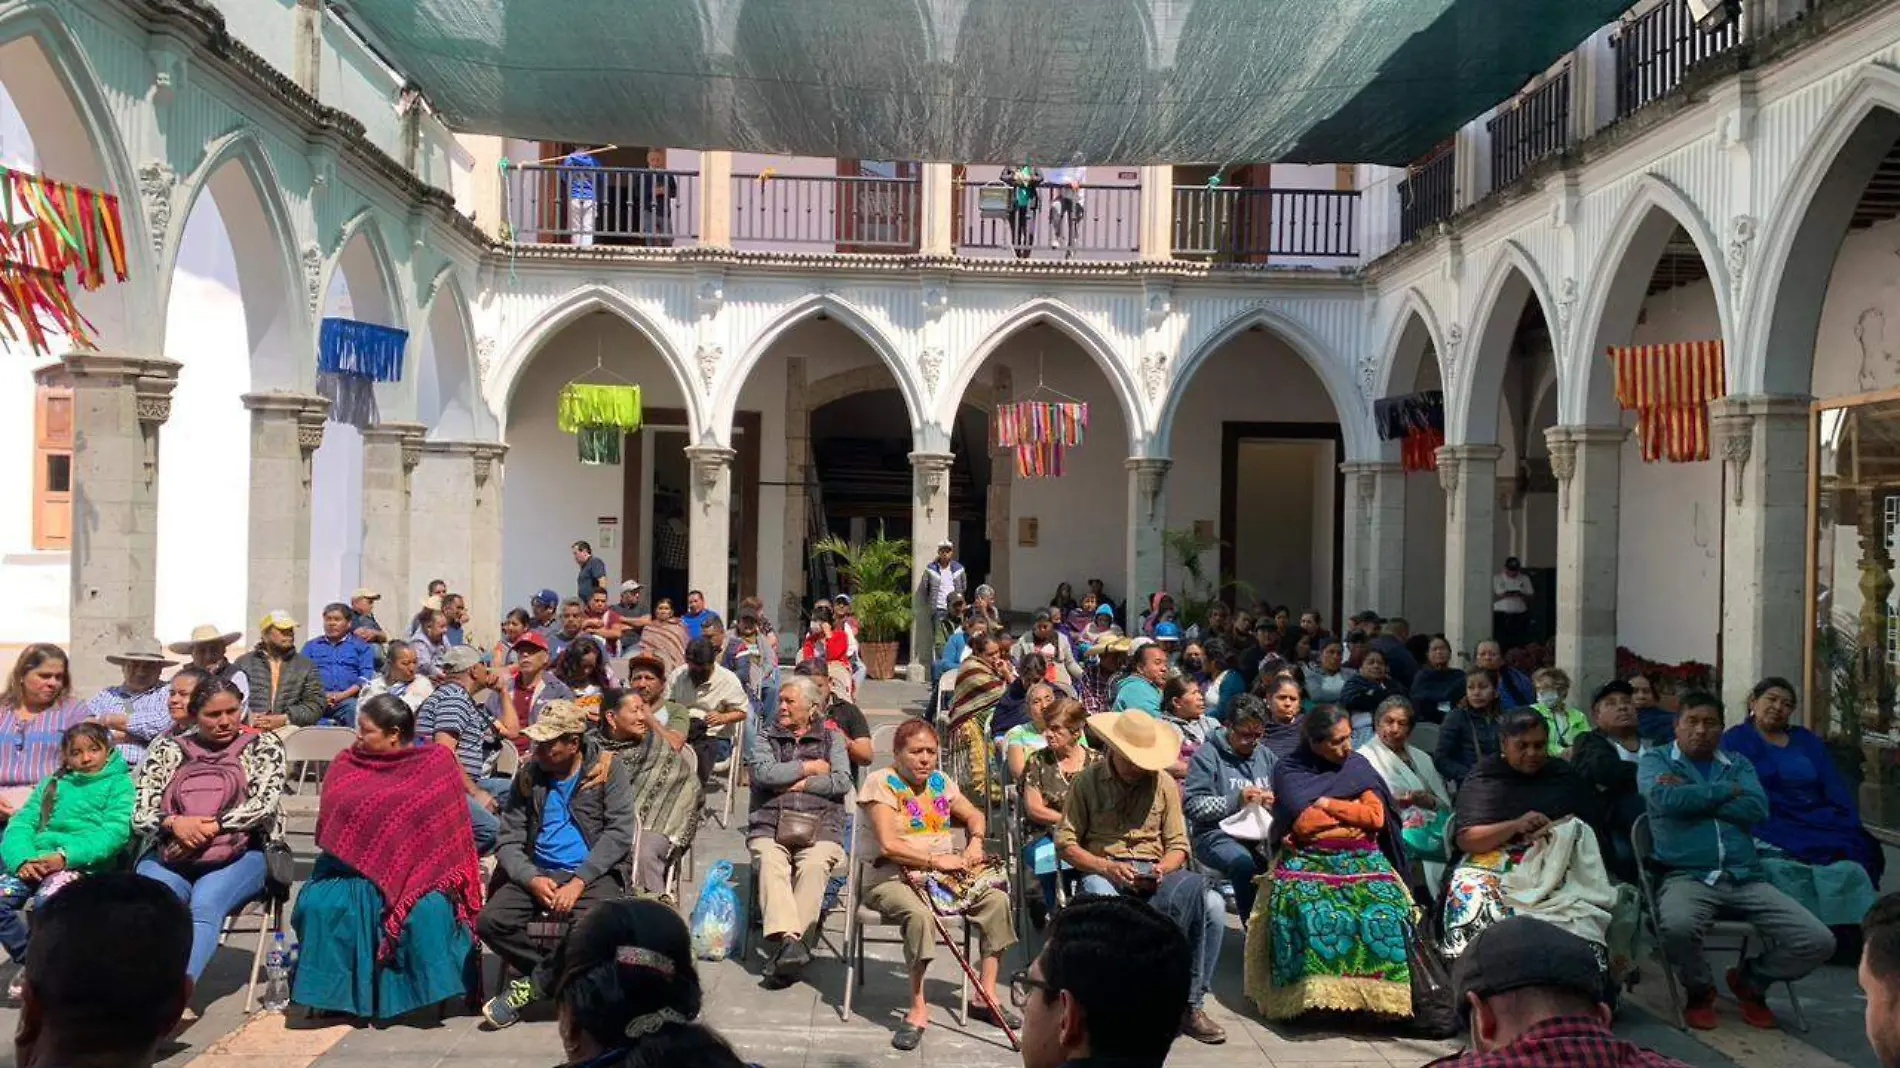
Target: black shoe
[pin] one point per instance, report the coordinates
(793, 955)
(908, 1036)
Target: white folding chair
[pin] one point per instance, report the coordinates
(304, 748)
(734, 764)
(858, 916)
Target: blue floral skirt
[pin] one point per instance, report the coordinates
(1330, 933)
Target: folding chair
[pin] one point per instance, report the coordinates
(734, 764)
(1642, 843)
(857, 917)
(270, 919)
(311, 746)
(682, 861)
(508, 761)
(1425, 737)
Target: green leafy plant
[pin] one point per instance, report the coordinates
(876, 572)
(1185, 548)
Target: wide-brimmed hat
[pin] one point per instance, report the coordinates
(204, 634)
(1141, 739)
(141, 652)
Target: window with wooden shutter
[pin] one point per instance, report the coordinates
(53, 465)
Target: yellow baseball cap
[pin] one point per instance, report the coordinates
(277, 620)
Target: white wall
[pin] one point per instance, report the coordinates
(336, 488)
(1424, 601)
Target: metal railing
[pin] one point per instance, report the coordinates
(1092, 218)
(1655, 49)
(846, 213)
(553, 204)
(1428, 194)
(1531, 127)
(1236, 224)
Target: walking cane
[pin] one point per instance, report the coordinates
(943, 932)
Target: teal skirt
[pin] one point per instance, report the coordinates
(339, 924)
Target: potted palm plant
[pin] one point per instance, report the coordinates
(876, 572)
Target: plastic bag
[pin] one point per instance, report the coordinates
(716, 915)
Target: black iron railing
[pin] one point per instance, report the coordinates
(1066, 220)
(1656, 48)
(550, 204)
(846, 213)
(1529, 128)
(1428, 194)
(1232, 223)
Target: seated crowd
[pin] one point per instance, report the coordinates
(1243, 762)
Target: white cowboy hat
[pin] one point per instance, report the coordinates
(204, 634)
(1141, 739)
(142, 652)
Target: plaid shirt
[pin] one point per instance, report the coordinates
(1564, 1042)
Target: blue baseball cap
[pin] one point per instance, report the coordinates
(547, 597)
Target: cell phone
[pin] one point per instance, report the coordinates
(1144, 868)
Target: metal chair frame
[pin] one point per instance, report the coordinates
(858, 916)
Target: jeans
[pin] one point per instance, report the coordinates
(211, 895)
(1232, 859)
(13, 933)
(504, 921)
(1196, 908)
(488, 824)
(342, 714)
(1797, 942)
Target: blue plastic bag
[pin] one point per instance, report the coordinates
(716, 915)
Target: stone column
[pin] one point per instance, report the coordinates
(708, 560)
(1147, 516)
(929, 524)
(1469, 475)
(119, 404)
(715, 200)
(996, 514)
(286, 429)
(1355, 543)
(1374, 538)
(1155, 241)
(1764, 447)
(485, 593)
(939, 191)
(1588, 463)
(442, 521)
(390, 452)
(798, 467)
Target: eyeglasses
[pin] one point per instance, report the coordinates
(1022, 983)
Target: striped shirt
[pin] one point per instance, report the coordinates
(450, 710)
(29, 748)
(149, 715)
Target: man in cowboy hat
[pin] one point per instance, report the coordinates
(285, 689)
(207, 649)
(136, 710)
(1124, 830)
(363, 622)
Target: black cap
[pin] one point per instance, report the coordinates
(1367, 616)
(1610, 687)
(1512, 563)
(1524, 951)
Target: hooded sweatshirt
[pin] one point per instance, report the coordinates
(91, 820)
(1215, 777)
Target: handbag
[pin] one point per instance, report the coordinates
(280, 869)
(797, 829)
(1434, 1000)
(952, 892)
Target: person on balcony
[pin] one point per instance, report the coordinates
(658, 190)
(1065, 205)
(577, 175)
(1025, 193)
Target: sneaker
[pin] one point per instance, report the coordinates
(504, 1009)
(1197, 1025)
(1755, 1010)
(1699, 1013)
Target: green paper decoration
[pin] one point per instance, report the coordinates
(584, 404)
(600, 444)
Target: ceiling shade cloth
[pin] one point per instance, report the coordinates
(1124, 81)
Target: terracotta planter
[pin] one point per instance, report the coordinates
(880, 659)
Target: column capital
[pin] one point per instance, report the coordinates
(1471, 452)
(152, 378)
(1762, 405)
(1587, 435)
(406, 436)
(487, 455)
(1150, 472)
(710, 463)
(1371, 467)
(932, 461)
(291, 403)
(1157, 465)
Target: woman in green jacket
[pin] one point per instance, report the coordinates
(77, 821)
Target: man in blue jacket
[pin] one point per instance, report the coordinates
(1702, 802)
(1232, 770)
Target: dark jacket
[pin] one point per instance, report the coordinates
(1398, 658)
(1363, 695)
(602, 808)
(776, 758)
(1465, 740)
(1433, 687)
(299, 692)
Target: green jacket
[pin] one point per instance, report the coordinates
(91, 820)
(1565, 727)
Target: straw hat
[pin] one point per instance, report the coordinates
(1141, 739)
(141, 652)
(204, 634)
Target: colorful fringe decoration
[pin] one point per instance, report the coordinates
(363, 350)
(1047, 459)
(70, 228)
(1669, 387)
(585, 405)
(352, 399)
(1041, 433)
(1417, 422)
(34, 301)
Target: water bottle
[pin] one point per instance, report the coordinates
(277, 976)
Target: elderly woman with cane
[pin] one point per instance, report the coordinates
(920, 875)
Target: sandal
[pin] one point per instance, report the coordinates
(908, 1036)
(982, 1014)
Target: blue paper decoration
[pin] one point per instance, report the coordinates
(362, 350)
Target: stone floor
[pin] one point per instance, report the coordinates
(800, 1027)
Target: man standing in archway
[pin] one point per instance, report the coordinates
(944, 578)
(1511, 610)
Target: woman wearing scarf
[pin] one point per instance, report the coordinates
(387, 920)
(1283, 708)
(664, 638)
(981, 683)
(1525, 839)
(1337, 915)
(666, 793)
(1420, 792)
(1471, 731)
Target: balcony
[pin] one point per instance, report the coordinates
(1428, 193)
(558, 205)
(832, 213)
(1224, 224)
(1656, 48)
(1099, 221)
(1535, 125)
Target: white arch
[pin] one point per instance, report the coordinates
(1585, 391)
(1412, 304)
(1470, 418)
(1079, 330)
(1762, 325)
(726, 398)
(262, 236)
(389, 309)
(121, 309)
(593, 297)
(1348, 406)
(454, 353)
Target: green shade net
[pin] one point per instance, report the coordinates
(1124, 81)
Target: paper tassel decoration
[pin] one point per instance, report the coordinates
(1036, 422)
(352, 398)
(70, 228)
(1417, 422)
(1042, 460)
(1669, 387)
(584, 405)
(600, 444)
(363, 350)
(34, 301)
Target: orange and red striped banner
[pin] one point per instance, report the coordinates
(1669, 387)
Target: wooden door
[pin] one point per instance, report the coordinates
(53, 466)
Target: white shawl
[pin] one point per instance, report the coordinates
(1562, 881)
(1421, 774)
